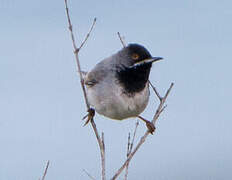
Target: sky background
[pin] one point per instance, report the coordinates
(41, 102)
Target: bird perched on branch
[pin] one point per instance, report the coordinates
(117, 87)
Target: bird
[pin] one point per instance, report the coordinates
(118, 86)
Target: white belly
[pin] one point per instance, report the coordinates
(115, 104)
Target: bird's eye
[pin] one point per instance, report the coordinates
(135, 56)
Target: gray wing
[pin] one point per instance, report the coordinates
(98, 73)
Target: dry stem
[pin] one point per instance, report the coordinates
(143, 138)
(159, 110)
(154, 89)
(45, 171)
(76, 52)
(89, 175)
(122, 40)
(129, 148)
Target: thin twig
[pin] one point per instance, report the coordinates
(156, 92)
(103, 156)
(89, 175)
(102, 147)
(45, 171)
(76, 51)
(129, 148)
(159, 110)
(163, 108)
(127, 154)
(143, 138)
(133, 139)
(88, 34)
(121, 39)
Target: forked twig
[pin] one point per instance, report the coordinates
(159, 110)
(101, 145)
(129, 148)
(88, 34)
(76, 52)
(143, 138)
(161, 106)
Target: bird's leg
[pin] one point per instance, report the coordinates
(150, 125)
(89, 116)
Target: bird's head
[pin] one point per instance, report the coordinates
(135, 64)
(137, 55)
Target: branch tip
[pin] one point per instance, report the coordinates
(156, 92)
(77, 50)
(100, 140)
(121, 39)
(88, 34)
(46, 170)
(159, 110)
(89, 175)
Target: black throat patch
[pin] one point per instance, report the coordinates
(133, 79)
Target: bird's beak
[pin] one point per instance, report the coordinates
(154, 59)
(150, 60)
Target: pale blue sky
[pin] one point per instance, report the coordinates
(41, 103)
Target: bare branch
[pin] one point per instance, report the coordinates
(45, 171)
(128, 145)
(89, 175)
(76, 55)
(143, 138)
(158, 111)
(121, 39)
(129, 148)
(88, 34)
(156, 92)
(168, 91)
(76, 51)
(127, 154)
(163, 108)
(101, 140)
(102, 147)
(133, 139)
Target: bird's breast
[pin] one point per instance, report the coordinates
(113, 102)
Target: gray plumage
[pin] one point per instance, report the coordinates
(105, 83)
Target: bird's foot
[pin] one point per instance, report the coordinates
(89, 116)
(150, 126)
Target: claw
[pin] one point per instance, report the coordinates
(89, 116)
(150, 126)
